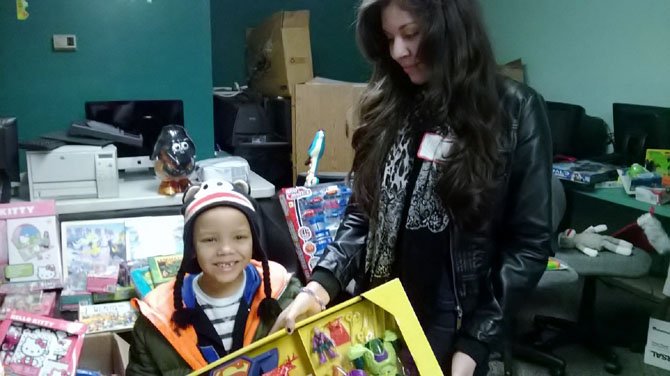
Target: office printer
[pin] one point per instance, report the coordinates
(73, 171)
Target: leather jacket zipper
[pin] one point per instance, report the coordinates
(459, 310)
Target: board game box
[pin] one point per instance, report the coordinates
(164, 268)
(108, 316)
(30, 247)
(90, 245)
(585, 172)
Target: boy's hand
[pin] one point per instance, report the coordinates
(303, 306)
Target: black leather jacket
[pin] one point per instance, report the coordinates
(497, 266)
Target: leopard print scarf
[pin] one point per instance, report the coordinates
(425, 210)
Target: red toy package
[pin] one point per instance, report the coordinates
(313, 215)
(33, 345)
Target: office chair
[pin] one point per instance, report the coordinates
(515, 347)
(583, 330)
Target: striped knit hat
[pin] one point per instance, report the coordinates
(197, 200)
(209, 194)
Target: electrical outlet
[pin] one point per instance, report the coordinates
(65, 42)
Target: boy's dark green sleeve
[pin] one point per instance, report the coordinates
(292, 290)
(140, 360)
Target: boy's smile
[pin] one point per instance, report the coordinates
(223, 244)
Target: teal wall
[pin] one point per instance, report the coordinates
(334, 51)
(592, 53)
(127, 49)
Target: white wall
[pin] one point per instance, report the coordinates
(588, 52)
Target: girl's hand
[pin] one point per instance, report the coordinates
(462, 365)
(311, 300)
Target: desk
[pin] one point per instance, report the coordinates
(138, 192)
(618, 196)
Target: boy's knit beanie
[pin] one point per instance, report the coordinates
(213, 193)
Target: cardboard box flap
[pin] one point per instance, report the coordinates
(104, 352)
(329, 81)
(513, 69)
(298, 18)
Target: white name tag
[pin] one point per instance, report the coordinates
(434, 148)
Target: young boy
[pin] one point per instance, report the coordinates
(222, 299)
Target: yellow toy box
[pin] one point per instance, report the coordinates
(658, 161)
(374, 334)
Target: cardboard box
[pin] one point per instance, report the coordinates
(514, 70)
(657, 351)
(279, 53)
(382, 312)
(331, 106)
(104, 352)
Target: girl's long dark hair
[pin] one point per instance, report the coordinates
(461, 95)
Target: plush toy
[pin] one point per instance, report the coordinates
(590, 241)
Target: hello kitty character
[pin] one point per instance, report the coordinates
(32, 350)
(46, 272)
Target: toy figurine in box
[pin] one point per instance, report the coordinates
(372, 335)
(34, 345)
(313, 215)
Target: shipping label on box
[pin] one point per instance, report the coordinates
(377, 332)
(313, 215)
(657, 351)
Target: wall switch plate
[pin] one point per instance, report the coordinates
(65, 42)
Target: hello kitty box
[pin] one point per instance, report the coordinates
(33, 345)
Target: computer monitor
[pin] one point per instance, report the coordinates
(145, 117)
(9, 157)
(638, 128)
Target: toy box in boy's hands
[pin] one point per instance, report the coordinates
(585, 172)
(29, 245)
(658, 161)
(38, 345)
(164, 268)
(377, 332)
(313, 215)
(108, 316)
